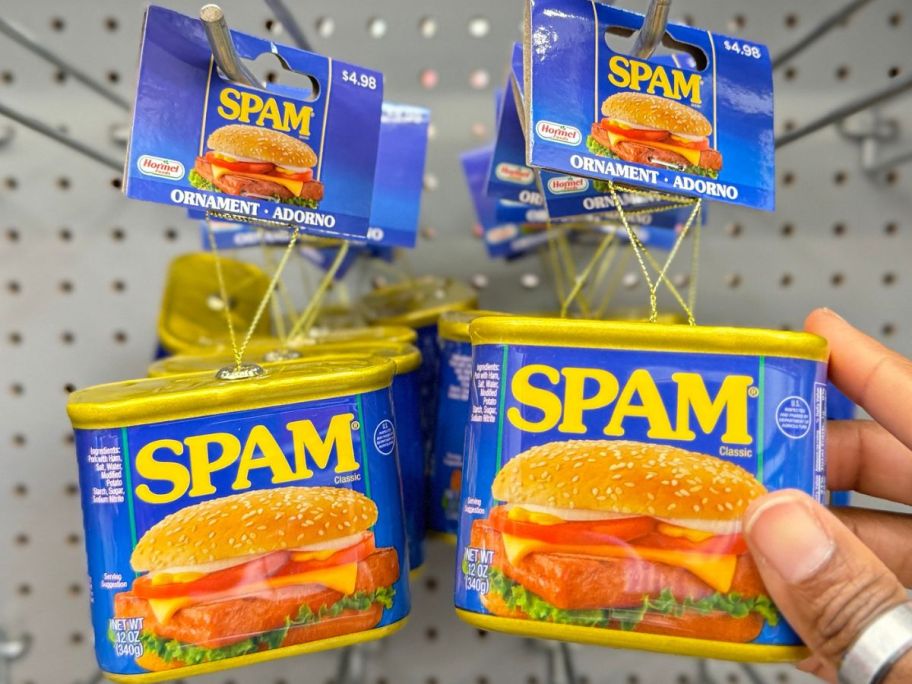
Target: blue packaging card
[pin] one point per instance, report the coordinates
(232, 235)
(599, 113)
(190, 125)
(508, 176)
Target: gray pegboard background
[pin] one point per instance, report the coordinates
(81, 270)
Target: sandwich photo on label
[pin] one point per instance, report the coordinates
(655, 131)
(256, 571)
(624, 535)
(250, 161)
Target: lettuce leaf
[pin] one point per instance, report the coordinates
(198, 181)
(171, 650)
(518, 598)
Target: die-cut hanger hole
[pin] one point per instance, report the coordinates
(621, 40)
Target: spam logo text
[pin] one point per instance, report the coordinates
(176, 468)
(655, 79)
(252, 108)
(564, 398)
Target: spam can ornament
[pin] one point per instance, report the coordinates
(230, 522)
(405, 390)
(608, 467)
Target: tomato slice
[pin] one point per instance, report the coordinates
(351, 554)
(221, 580)
(716, 545)
(240, 166)
(634, 133)
(574, 532)
(305, 176)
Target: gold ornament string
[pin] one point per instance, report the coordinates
(306, 320)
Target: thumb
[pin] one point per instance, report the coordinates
(826, 582)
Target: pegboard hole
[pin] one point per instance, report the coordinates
(479, 79)
(57, 24)
(481, 680)
(76, 638)
(431, 680)
(733, 280)
(837, 279)
(111, 24)
(17, 389)
(20, 489)
(15, 338)
(891, 228)
(737, 22)
(786, 280)
(891, 177)
(13, 287)
(63, 183)
(633, 679)
(788, 178)
(842, 72)
(888, 329)
(120, 337)
(113, 76)
(171, 234)
(116, 183)
(888, 279)
(733, 678)
(427, 27)
(68, 438)
(67, 337)
(376, 27)
(430, 634)
(60, 77)
(11, 183)
(839, 229)
(894, 71)
(430, 584)
(7, 76)
(326, 26)
(271, 77)
(21, 539)
(482, 634)
(428, 78)
(688, 20)
(783, 677)
(734, 229)
(69, 388)
(119, 286)
(683, 679)
(787, 230)
(24, 589)
(895, 19)
(75, 589)
(71, 489)
(272, 26)
(19, 439)
(65, 286)
(65, 234)
(73, 538)
(840, 177)
(791, 20)
(118, 234)
(790, 73)
(789, 125)
(532, 679)
(479, 27)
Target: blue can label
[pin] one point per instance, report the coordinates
(224, 536)
(449, 437)
(427, 378)
(604, 488)
(406, 389)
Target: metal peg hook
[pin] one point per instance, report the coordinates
(222, 46)
(10, 650)
(287, 20)
(653, 29)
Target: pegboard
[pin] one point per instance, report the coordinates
(81, 271)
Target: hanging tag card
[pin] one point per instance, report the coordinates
(508, 177)
(592, 110)
(272, 154)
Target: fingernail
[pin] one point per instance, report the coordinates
(832, 313)
(786, 534)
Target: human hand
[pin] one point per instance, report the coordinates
(832, 572)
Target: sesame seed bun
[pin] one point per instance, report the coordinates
(629, 478)
(656, 112)
(251, 523)
(254, 142)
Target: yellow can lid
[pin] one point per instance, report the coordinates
(418, 302)
(642, 314)
(269, 353)
(647, 336)
(154, 400)
(192, 313)
(375, 333)
(454, 325)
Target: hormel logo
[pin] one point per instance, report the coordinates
(566, 185)
(514, 173)
(559, 133)
(161, 167)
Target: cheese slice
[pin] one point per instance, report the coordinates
(692, 156)
(341, 578)
(718, 571)
(294, 186)
(687, 533)
(525, 515)
(160, 578)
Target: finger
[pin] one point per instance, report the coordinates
(826, 582)
(819, 668)
(887, 534)
(870, 374)
(863, 456)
